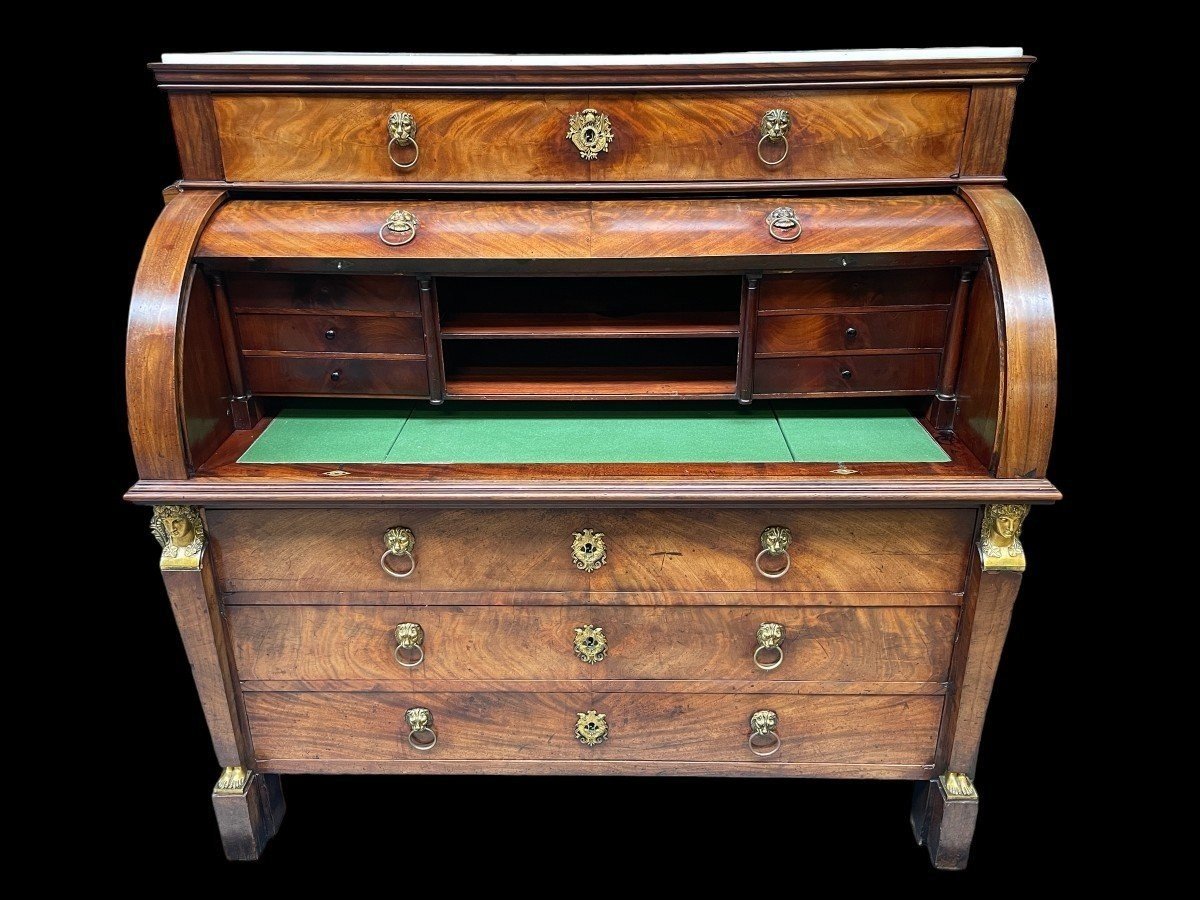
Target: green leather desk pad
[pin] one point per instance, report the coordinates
(592, 433)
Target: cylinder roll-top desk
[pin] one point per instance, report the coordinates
(660, 415)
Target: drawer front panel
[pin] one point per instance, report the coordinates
(356, 643)
(882, 730)
(336, 334)
(647, 550)
(866, 330)
(900, 374)
(372, 294)
(687, 136)
(336, 375)
(823, 290)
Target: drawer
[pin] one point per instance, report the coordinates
(371, 294)
(833, 730)
(865, 330)
(298, 374)
(905, 133)
(908, 373)
(357, 643)
(647, 549)
(332, 333)
(824, 290)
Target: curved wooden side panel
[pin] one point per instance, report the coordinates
(1029, 353)
(158, 308)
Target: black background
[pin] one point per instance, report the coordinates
(589, 831)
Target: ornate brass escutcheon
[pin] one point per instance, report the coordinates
(774, 128)
(770, 637)
(590, 132)
(1000, 537)
(400, 541)
(588, 550)
(409, 638)
(590, 643)
(421, 735)
(775, 540)
(402, 130)
(783, 225)
(401, 222)
(590, 728)
(763, 740)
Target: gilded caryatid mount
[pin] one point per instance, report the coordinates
(179, 530)
(1000, 537)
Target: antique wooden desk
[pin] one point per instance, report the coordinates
(646, 415)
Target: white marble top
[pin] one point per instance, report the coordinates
(273, 58)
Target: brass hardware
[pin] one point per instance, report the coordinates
(770, 637)
(402, 130)
(590, 132)
(1000, 537)
(400, 541)
(336, 473)
(775, 541)
(957, 786)
(409, 636)
(179, 530)
(420, 722)
(233, 781)
(846, 374)
(588, 550)
(399, 222)
(590, 728)
(762, 725)
(335, 375)
(774, 128)
(590, 643)
(780, 224)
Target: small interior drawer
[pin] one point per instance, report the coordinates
(385, 295)
(870, 329)
(901, 373)
(290, 373)
(823, 290)
(321, 333)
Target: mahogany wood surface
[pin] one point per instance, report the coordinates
(249, 820)
(204, 386)
(842, 729)
(590, 382)
(156, 315)
(903, 288)
(345, 295)
(989, 123)
(641, 767)
(432, 340)
(355, 644)
(981, 372)
(196, 135)
(848, 332)
(323, 333)
(686, 550)
(569, 325)
(846, 374)
(347, 374)
(591, 599)
(1030, 347)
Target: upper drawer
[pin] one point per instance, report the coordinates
(904, 133)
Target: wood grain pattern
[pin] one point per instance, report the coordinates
(343, 137)
(1030, 350)
(686, 550)
(432, 340)
(848, 730)
(817, 376)
(155, 319)
(870, 329)
(414, 599)
(807, 291)
(347, 375)
(195, 604)
(376, 295)
(590, 382)
(989, 124)
(248, 821)
(981, 372)
(196, 137)
(350, 334)
(355, 644)
(483, 236)
(987, 611)
(748, 322)
(204, 379)
(701, 136)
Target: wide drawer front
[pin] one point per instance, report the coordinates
(888, 373)
(844, 730)
(270, 372)
(867, 329)
(360, 643)
(332, 334)
(551, 550)
(570, 137)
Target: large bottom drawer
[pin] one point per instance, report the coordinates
(349, 731)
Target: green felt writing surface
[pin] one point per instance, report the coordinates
(829, 434)
(329, 435)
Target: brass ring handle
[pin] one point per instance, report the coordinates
(400, 541)
(775, 541)
(774, 127)
(591, 728)
(783, 225)
(402, 128)
(770, 637)
(591, 133)
(763, 740)
(590, 644)
(400, 222)
(588, 551)
(421, 735)
(409, 637)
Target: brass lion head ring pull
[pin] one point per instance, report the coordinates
(421, 735)
(763, 740)
(783, 225)
(773, 128)
(402, 223)
(400, 542)
(774, 541)
(402, 130)
(770, 639)
(409, 638)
